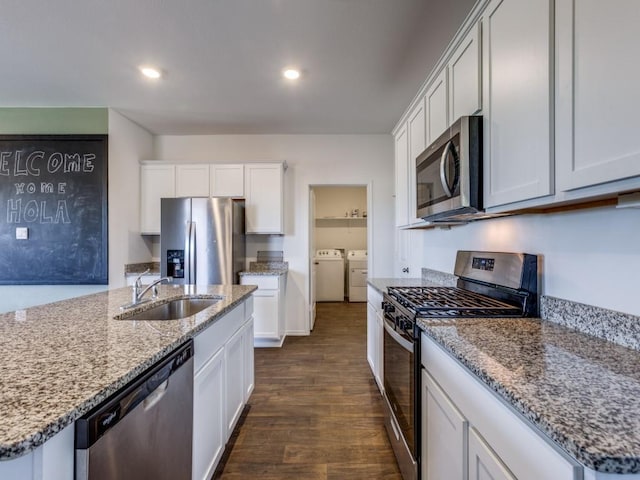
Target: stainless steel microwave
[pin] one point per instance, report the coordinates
(449, 174)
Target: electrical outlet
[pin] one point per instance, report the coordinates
(22, 233)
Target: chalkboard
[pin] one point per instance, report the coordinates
(53, 190)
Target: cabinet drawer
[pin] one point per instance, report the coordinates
(209, 341)
(264, 282)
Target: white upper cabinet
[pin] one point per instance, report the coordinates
(417, 143)
(192, 180)
(264, 197)
(517, 100)
(437, 113)
(156, 182)
(401, 139)
(597, 92)
(465, 79)
(227, 180)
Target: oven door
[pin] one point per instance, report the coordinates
(399, 387)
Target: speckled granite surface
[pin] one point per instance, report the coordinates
(616, 327)
(57, 361)
(581, 391)
(441, 278)
(266, 268)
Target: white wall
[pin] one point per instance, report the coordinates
(589, 256)
(128, 143)
(312, 160)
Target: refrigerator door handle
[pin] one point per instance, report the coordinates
(187, 253)
(192, 253)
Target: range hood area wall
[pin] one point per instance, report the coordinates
(589, 256)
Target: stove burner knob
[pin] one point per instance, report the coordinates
(406, 325)
(388, 308)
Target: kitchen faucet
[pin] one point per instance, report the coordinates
(136, 297)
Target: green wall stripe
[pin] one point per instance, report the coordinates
(54, 121)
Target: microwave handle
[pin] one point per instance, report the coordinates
(443, 163)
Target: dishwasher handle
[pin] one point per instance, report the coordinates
(148, 388)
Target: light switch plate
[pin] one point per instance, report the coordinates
(22, 233)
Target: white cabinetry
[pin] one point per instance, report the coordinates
(264, 197)
(417, 138)
(222, 369)
(444, 434)
(375, 335)
(249, 371)
(209, 433)
(518, 149)
(484, 464)
(156, 182)
(500, 443)
(401, 140)
(436, 107)
(234, 356)
(465, 80)
(268, 304)
(226, 180)
(597, 92)
(192, 180)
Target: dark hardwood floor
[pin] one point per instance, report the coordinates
(316, 412)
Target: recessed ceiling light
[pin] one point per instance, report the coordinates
(291, 74)
(151, 72)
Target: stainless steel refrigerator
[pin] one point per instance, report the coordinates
(202, 240)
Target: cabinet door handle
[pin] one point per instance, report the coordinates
(405, 270)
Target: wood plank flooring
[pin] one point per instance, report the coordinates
(315, 413)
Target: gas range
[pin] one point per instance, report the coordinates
(441, 302)
(490, 284)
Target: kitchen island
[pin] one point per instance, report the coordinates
(58, 361)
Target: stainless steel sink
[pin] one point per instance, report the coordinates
(172, 310)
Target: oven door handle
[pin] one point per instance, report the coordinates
(404, 343)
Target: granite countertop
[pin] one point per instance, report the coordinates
(57, 361)
(266, 268)
(581, 391)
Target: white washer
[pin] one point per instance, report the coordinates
(329, 276)
(357, 275)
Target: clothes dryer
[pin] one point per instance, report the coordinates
(357, 275)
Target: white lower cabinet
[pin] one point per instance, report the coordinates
(222, 368)
(249, 371)
(375, 335)
(467, 432)
(268, 301)
(234, 381)
(484, 464)
(209, 435)
(444, 434)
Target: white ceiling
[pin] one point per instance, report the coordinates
(362, 60)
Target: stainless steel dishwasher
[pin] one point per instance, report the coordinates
(144, 431)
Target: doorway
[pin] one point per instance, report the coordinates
(338, 227)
